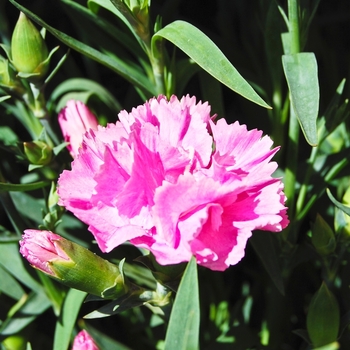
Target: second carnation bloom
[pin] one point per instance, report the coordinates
(169, 179)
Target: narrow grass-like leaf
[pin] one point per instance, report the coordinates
(339, 205)
(128, 71)
(120, 36)
(68, 316)
(301, 73)
(207, 55)
(11, 261)
(183, 329)
(86, 85)
(4, 98)
(9, 285)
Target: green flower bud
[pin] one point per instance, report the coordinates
(28, 50)
(323, 318)
(72, 264)
(322, 237)
(38, 152)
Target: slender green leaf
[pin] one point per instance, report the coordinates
(108, 5)
(68, 316)
(183, 329)
(120, 36)
(86, 85)
(4, 186)
(207, 55)
(301, 73)
(339, 205)
(4, 98)
(11, 260)
(9, 285)
(265, 248)
(128, 71)
(7, 136)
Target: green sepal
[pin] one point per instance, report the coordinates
(86, 271)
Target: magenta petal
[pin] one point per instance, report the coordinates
(168, 179)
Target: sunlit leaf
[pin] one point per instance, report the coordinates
(69, 313)
(207, 55)
(342, 207)
(301, 73)
(9, 285)
(11, 260)
(183, 329)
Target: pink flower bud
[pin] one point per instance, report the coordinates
(75, 120)
(83, 341)
(72, 264)
(40, 248)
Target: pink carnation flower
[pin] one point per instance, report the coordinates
(167, 178)
(83, 341)
(75, 119)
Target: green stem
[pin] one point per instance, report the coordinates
(157, 62)
(304, 186)
(292, 165)
(293, 132)
(293, 17)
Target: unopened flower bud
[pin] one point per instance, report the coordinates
(38, 152)
(28, 49)
(84, 341)
(72, 264)
(323, 237)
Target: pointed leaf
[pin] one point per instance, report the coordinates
(323, 317)
(9, 285)
(11, 261)
(207, 55)
(68, 316)
(86, 85)
(339, 205)
(183, 329)
(301, 73)
(4, 98)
